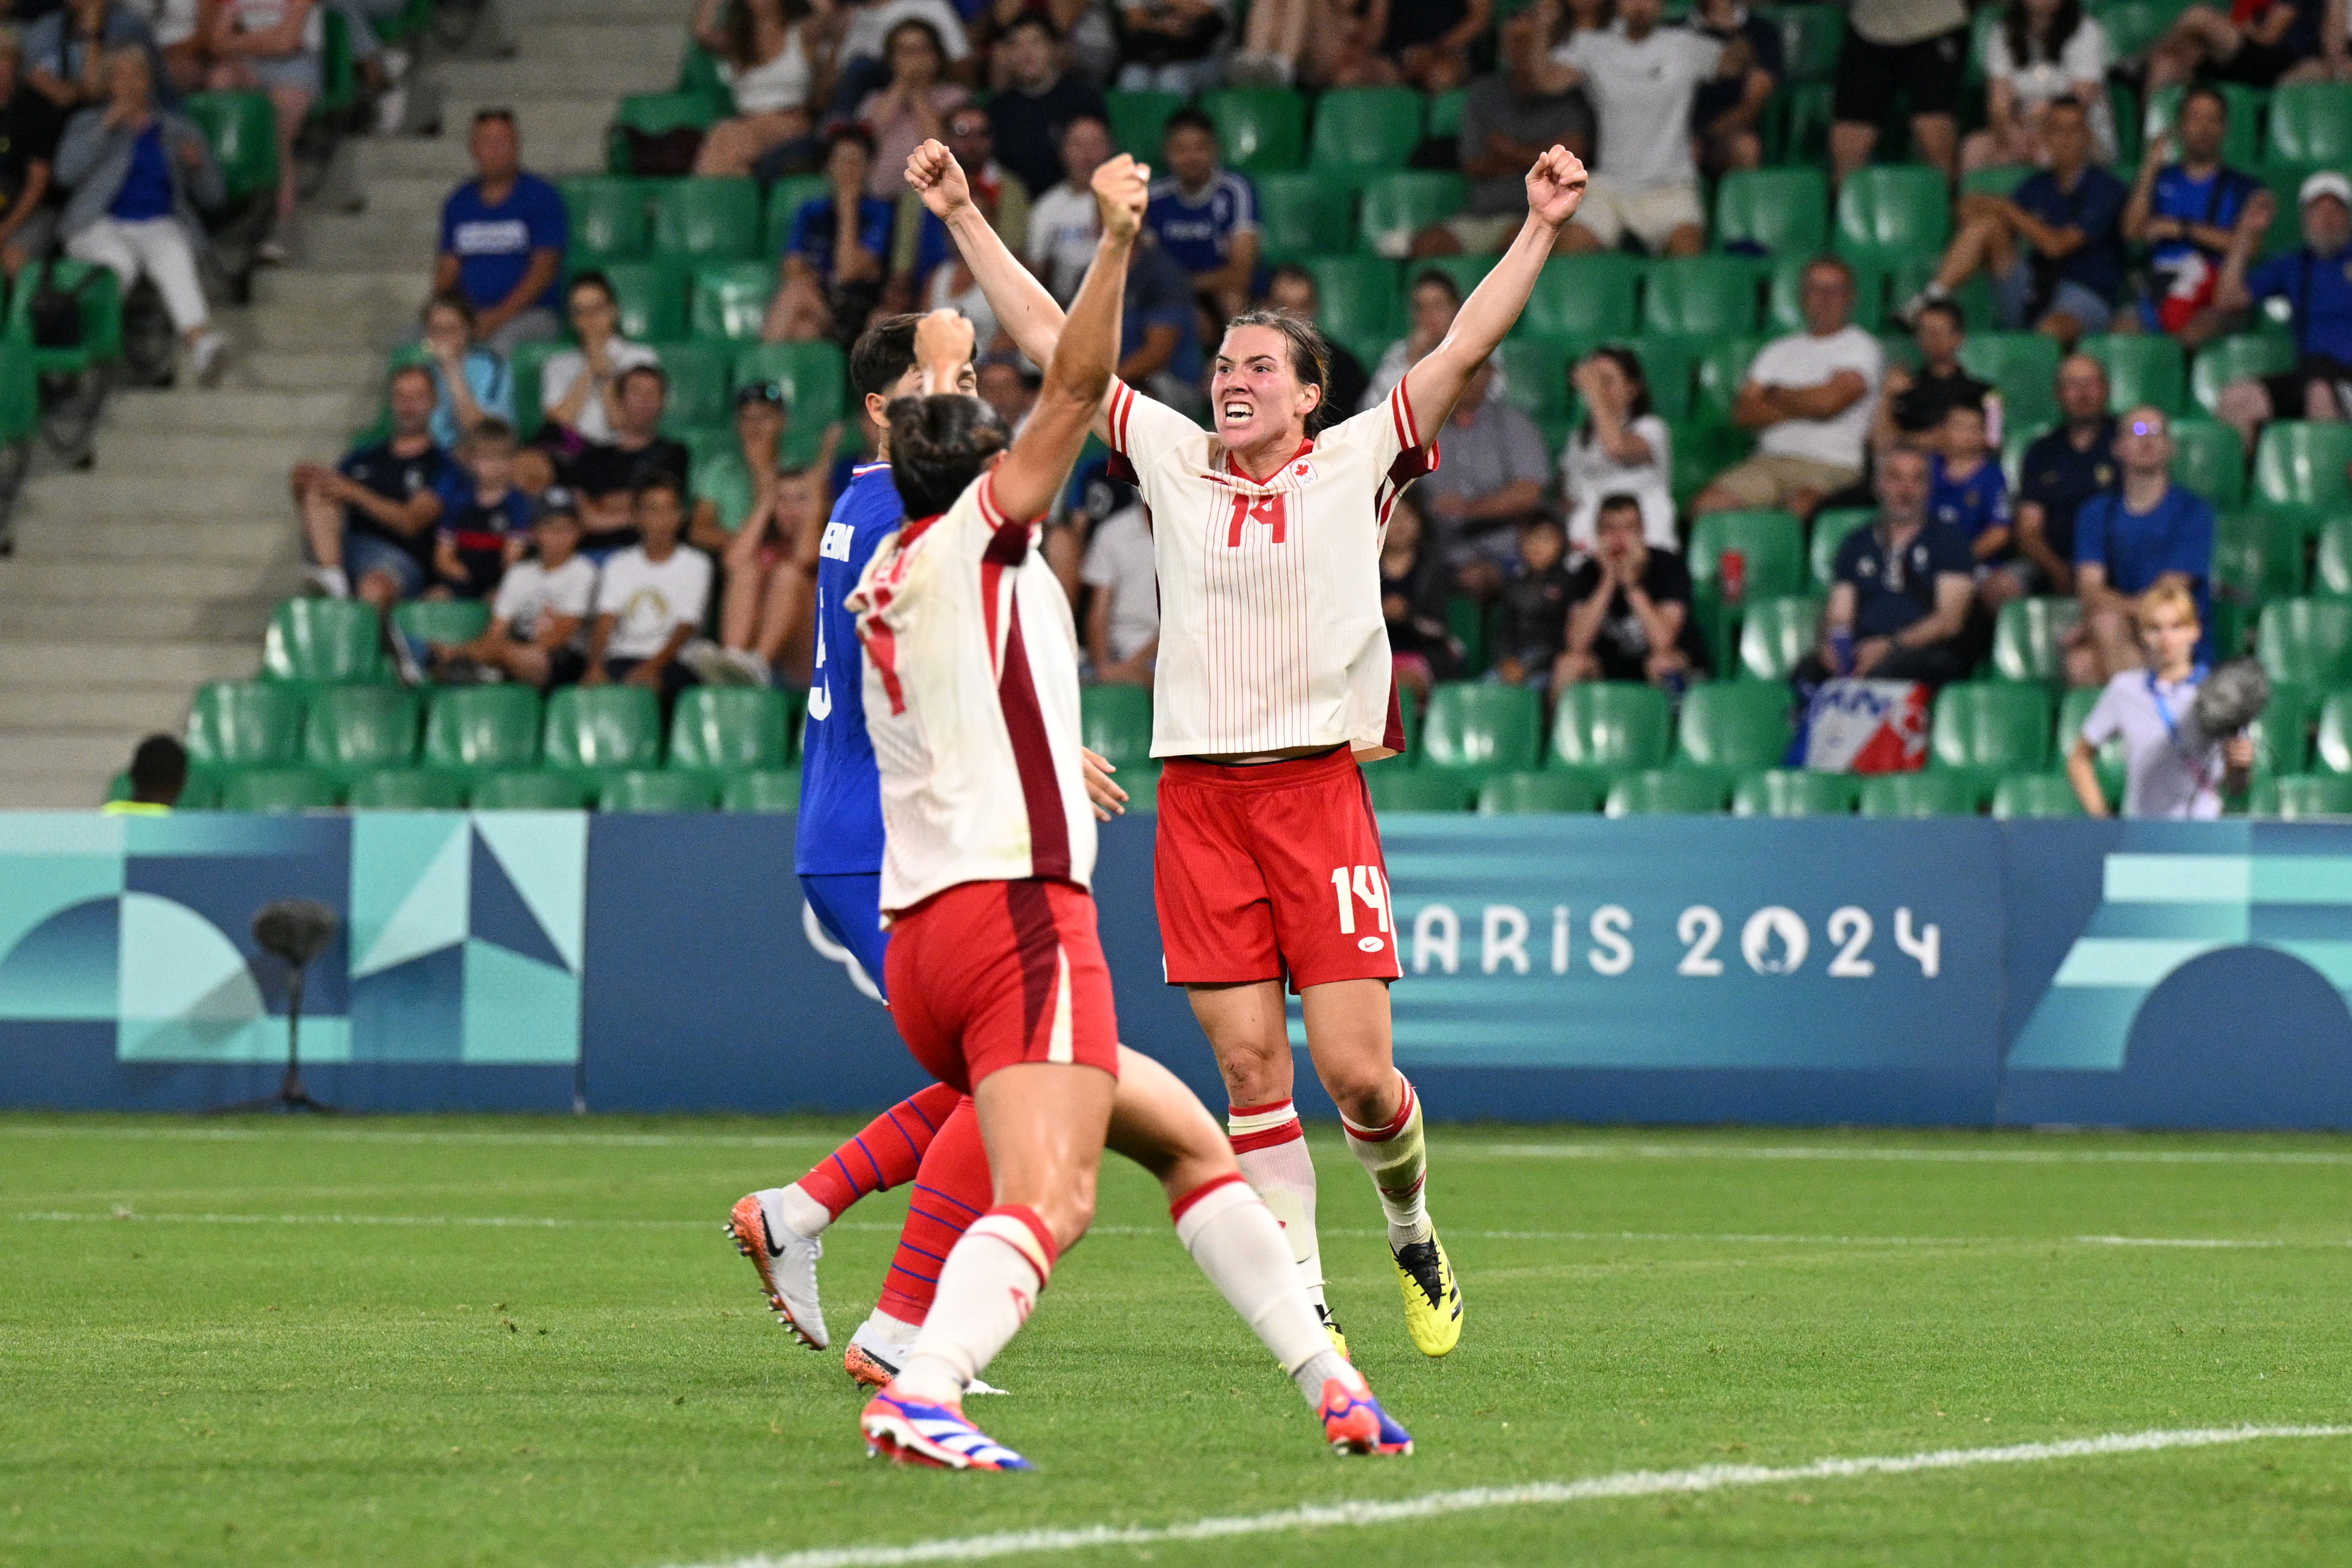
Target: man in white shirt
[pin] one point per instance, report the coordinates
(1063, 222)
(1123, 620)
(650, 598)
(542, 604)
(1809, 397)
(1641, 78)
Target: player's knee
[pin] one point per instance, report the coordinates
(1365, 1095)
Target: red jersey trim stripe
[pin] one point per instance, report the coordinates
(1032, 757)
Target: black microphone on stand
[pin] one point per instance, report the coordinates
(296, 931)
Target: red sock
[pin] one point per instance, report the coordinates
(951, 1191)
(885, 1153)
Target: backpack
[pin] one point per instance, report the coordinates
(56, 312)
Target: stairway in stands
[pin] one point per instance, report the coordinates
(136, 580)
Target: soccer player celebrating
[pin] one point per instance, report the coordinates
(996, 975)
(1273, 676)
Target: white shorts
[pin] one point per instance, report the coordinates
(1610, 210)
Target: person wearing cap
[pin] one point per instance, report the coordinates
(2316, 280)
(537, 618)
(2145, 532)
(731, 487)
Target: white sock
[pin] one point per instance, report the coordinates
(795, 1211)
(1319, 1369)
(333, 580)
(1398, 1161)
(893, 1333)
(1271, 1146)
(1232, 1236)
(992, 1279)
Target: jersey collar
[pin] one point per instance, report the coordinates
(915, 528)
(1304, 446)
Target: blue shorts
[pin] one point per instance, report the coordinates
(2012, 294)
(364, 553)
(848, 905)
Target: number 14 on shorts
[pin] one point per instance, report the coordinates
(1367, 886)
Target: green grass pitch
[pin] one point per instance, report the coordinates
(485, 1341)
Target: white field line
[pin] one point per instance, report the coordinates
(1624, 1484)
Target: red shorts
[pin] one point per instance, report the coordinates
(1272, 869)
(986, 974)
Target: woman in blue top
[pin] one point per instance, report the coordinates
(835, 258)
(470, 383)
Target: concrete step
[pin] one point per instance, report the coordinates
(112, 582)
(230, 410)
(441, 157)
(253, 544)
(63, 791)
(305, 328)
(319, 289)
(144, 625)
(177, 457)
(604, 63)
(125, 489)
(561, 134)
(307, 370)
(62, 755)
(88, 706)
(524, 18)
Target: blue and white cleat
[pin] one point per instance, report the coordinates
(915, 1432)
(1354, 1422)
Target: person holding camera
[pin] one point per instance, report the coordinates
(2172, 767)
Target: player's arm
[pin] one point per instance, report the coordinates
(1555, 188)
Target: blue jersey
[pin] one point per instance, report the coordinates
(841, 789)
(1971, 505)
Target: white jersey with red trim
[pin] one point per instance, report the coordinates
(1271, 635)
(972, 699)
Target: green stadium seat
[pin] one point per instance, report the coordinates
(786, 199)
(1777, 633)
(2131, 25)
(353, 730)
(1399, 205)
(1920, 795)
(2311, 123)
(282, 791)
(2074, 706)
(2230, 359)
(1362, 296)
(1831, 526)
(729, 729)
(2281, 735)
(2001, 180)
(1466, 272)
(1583, 297)
(707, 218)
(1361, 132)
(1772, 547)
(1783, 212)
(406, 789)
(1722, 366)
(1477, 729)
(1138, 119)
(761, 790)
(1798, 131)
(1668, 792)
(602, 729)
(525, 365)
(1539, 794)
(2307, 640)
(730, 299)
(1301, 215)
(652, 298)
(329, 642)
(1733, 727)
(1702, 449)
(2258, 556)
(1887, 210)
(815, 379)
(1810, 39)
(655, 114)
(2023, 366)
(2209, 459)
(242, 129)
(1667, 366)
(1606, 728)
(1116, 722)
(2142, 367)
(2335, 745)
(1988, 728)
(1398, 788)
(2304, 465)
(1262, 131)
(2240, 146)
(1445, 110)
(442, 621)
(532, 790)
(1704, 297)
(699, 382)
(1784, 308)
(2027, 796)
(609, 218)
(244, 724)
(646, 789)
(100, 296)
(699, 70)
(721, 478)
(1795, 792)
(2297, 796)
(474, 729)
(2333, 571)
(2026, 638)
(1535, 377)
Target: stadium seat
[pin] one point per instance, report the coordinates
(1920, 795)
(1795, 792)
(1703, 297)
(1477, 729)
(2303, 465)
(2307, 640)
(655, 114)
(1301, 215)
(2001, 180)
(814, 378)
(278, 790)
(1782, 211)
(715, 219)
(2294, 796)
(1668, 792)
(2023, 796)
(244, 724)
(1396, 788)
(1138, 121)
(2240, 146)
(1830, 528)
(601, 728)
(1733, 727)
(652, 298)
(1887, 210)
(328, 642)
(729, 729)
(1539, 794)
(406, 789)
(2334, 747)
(647, 790)
(1398, 206)
(1798, 131)
(2074, 706)
(2209, 459)
(2142, 367)
(1722, 366)
(786, 199)
(525, 365)
(699, 386)
(531, 790)
(1605, 728)
(1772, 549)
(242, 130)
(441, 620)
(1784, 305)
(1361, 132)
(2282, 734)
(1810, 39)
(353, 730)
(1988, 728)
(1535, 377)
(609, 218)
(2131, 25)
(2230, 359)
(1583, 298)
(99, 297)
(1362, 296)
(2024, 366)
(730, 299)
(2311, 123)
(1777, 633)
(474, 729)
(1116, 722)
(2026, 638)
(764, 790)
(2258, 556)
(1262, 131)
(1466, 272)
(2332, 572)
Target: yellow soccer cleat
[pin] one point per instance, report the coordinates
(1333, 1332)
(1433, 1301)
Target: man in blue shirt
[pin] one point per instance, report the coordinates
(2316, 283)
(1899, 602)
(837, 250)
(2184, 211)
(2128, 540)
(1204, 216)
(503, 236)
(2060, 471)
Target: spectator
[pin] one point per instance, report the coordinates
(763, 49)
(158, 773)
(1899, 600)
(1204, 217)
(66, 50)
(2069, 213)
(1809, 397)
(483, 522)
(1509, 118)
(368, 521)
(831, 267)
(1412, 602)
(2171, 767)
(1429, 40)
(1642, 79)
(2316, 281)
(1160, 332)
(470, 383)
(2127, 541)
(536, 618)
(865, 46)
(2184, 209)
(2062, 470)
(138, 176)
(503, 235)
(911, 108)
(1727, 112)
(1916, 49)
(272, 47)
(1039, 102)
(179, 40)
(1063, 225)
(1630, 617)
(920, 246)
(762, 414)
(1531, 620)
(2260, 43)
(606, 475)
(2043, 50)
(1086, 24)
(1123, 615)
(768, 589)
(579, 389)
(1292, 289)
(1008, 385)
(1622, 448)
(1966, 492)
(1174, 46)
(1430, 309)
(649, 599)
(1491, 482)
(29, 124)
(1912, 403)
